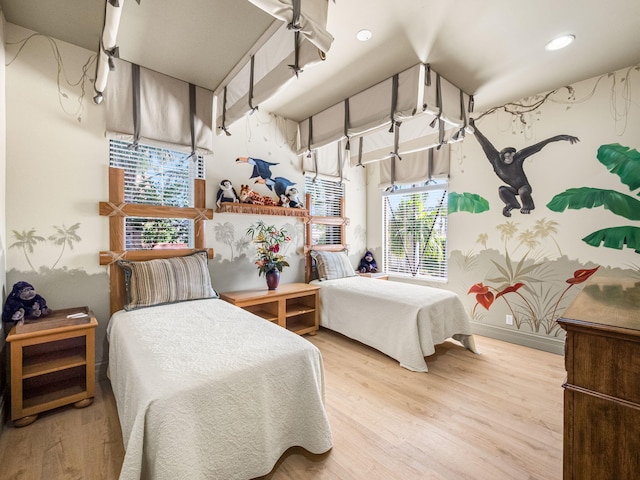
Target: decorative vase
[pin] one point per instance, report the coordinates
(273, 278)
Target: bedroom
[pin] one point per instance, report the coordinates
(603, 110)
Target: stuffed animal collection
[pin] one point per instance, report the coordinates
(23, 302)
(368, 263)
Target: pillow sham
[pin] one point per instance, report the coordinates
(167, 280)
(332, 265)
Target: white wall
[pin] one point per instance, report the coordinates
(3, 203)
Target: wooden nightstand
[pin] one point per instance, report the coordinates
(52, 364)
(293, 306)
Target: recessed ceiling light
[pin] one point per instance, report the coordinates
(560, 42)
(364, 35)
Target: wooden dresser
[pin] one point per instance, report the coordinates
(602, 391)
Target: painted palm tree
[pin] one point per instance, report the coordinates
(225, 233)
(545, 228)
(26, 240)
(529, 239)
(625, 163)
(507, 231)
(483, 238)
(64, 236)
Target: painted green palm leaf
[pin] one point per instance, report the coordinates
(467, 202)
(615, 237)
(585, 197)
(622, 161)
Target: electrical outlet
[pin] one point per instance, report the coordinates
(509, 319)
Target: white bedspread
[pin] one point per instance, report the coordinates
(206, 390)
(402, 320)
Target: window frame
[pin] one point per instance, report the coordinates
(324, 209)
(433, 266)
(157, 177)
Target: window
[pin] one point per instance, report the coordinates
(326, 201)
(157, 176)
(415, 230)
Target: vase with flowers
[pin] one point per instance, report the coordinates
(269, 242)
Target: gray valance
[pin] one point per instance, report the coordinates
(166, 110)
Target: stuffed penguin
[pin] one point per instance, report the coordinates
(226, 193)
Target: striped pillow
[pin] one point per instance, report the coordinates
(332, 265)
(167, 280)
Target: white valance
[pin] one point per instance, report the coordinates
(311, 18)
(277, 59)
(108, 47)
(327, 162)
(263, 75)
(401, 118)
(165, 112)
(416, 167)
(395, 98)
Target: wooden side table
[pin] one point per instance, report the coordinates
(52, 364)
(293, 306)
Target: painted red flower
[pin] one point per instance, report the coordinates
(510, 289)
(483, 296)
(580, 276)
(275, 248)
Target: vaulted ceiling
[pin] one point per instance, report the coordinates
(492, 49)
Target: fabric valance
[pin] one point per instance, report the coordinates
(156, 108)
(309, 17)
(267, 71)
(416, 167)
(327, 162)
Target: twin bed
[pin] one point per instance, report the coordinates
(205, 389)
(402, 320)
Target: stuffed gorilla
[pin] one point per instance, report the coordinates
(23, 302)
(368, 263)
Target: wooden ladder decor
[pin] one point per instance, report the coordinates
(117, 209)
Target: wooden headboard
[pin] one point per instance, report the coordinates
(116, 209)
(309, 247)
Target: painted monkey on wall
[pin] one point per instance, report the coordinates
(509, 166)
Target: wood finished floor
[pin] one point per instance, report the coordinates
(492, 416)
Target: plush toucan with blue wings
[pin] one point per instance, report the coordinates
(279, 184)
(261, 168)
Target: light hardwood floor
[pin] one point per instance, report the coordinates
(492, 416)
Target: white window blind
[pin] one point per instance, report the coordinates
(415, 230)
(156, 176)
(325, 202)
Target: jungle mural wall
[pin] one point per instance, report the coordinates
(520, 274)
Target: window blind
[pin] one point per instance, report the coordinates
(415, 231)
(325, 202)
(157, 176)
